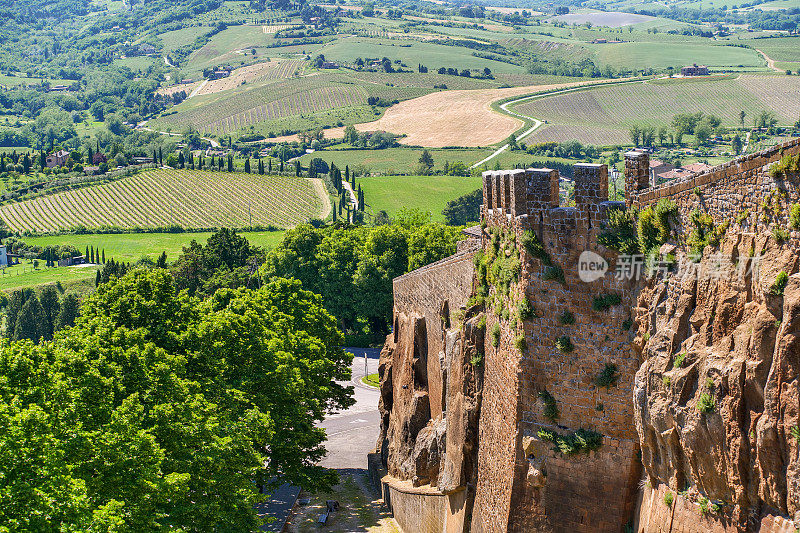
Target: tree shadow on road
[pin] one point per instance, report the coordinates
(360, 508)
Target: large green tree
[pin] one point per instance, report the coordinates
(160, 411)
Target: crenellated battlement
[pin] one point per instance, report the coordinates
(531, 196)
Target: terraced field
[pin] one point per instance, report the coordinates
(277, 100)
(603, 116)
(187, 198)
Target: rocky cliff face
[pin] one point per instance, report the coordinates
(716, 397)
(439, 451)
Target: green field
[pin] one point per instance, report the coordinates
(185, 198)
(779, 48)
(394, 160)
(676, 54)
(172, 40)
(602, 116)
(428, 193)
(25, 275)
(412, 53)
(130, 247)
(223, 49)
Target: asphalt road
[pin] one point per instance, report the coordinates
(352, 434)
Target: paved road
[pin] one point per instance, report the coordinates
(352, 434)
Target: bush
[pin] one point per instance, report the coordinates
(464, 209)
(554, 273)
(496, 335)
(564, 344)
(524, 309)
(550, 406)
(794, 216)
(581, 441)
(520, 343)
(777, 288)
(679, 359)
(566, 318)
(477, 359)
(620, 232)
(604, 301)
(535, 248)
(787, 164)
(780, 235)
(668, 499)
(608, 377)
(706, 403)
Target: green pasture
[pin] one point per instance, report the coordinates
(660, 55)
(130, 247)
(172, 40)
(428, 193)
(392, 161)
(413, 53)
(24, 275)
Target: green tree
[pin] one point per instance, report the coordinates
(30, 323)
(68, 312)
(636, 135)
(425, 162)
(50, 308)
(247, 165)
(736, 144)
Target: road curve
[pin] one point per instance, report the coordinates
(536, 122)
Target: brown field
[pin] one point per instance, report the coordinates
(172, 89)
(454, 118)
(250, 74)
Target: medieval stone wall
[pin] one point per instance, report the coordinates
(438, 373)
(725, 191)
(591, 492)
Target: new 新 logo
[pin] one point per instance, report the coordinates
(591, 266)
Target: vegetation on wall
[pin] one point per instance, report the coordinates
(580, 441)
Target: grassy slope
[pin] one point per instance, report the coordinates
(25, 276)
(428, 193)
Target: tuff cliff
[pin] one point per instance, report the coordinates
(519, 395)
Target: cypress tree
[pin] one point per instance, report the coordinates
(347, 172)
(181, 160)
(219, 163)
(334, 210)
(160, 157)
(30, 322)
(260, 166)
(87, 257)
(281, 165)
(97, 279)
(104, 256)
(297, 168)
(155, 157)
(68, 312)
(247, 165)
(230, 163)
(161, 262)
(269, 162)
(50, 309)
(212, 162)
(340, 207)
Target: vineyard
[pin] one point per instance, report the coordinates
(186, 198)
(604, 115)
(281, 99)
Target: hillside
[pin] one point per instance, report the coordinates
(186, 198)
(603, 115)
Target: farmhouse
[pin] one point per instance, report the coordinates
(57, 159)
(220, 73)
(682, 172)
(695, 70)
(70, 261)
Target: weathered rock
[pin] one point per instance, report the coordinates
(720, 423)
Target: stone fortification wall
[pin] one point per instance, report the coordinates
(523, 484)
(725, 192)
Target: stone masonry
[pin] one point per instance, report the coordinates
(480, 379)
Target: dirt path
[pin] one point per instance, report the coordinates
(770, 61)
(322, 192)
